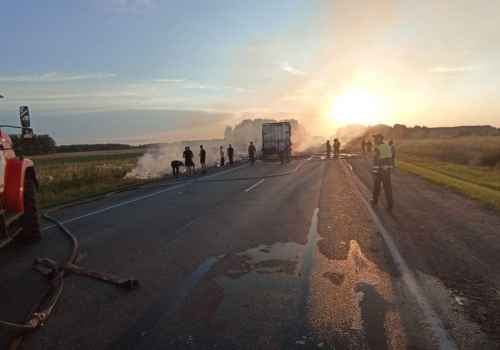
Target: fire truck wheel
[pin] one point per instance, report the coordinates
(30, 221)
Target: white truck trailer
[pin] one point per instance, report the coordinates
(272, 133)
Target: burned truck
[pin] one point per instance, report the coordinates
(272, 133)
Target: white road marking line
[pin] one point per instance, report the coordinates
(118, 205)
(293, 161)
(257, 184)
(436, 324)
(137, 199)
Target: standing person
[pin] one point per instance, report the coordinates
(192, 158)
(281, 150)
(288, 150)
(175, 164)
(382, 160)
(251, 153)
(203, 155)
(393, 151)
(336, 148)
(328, 149)
(230, 154)
(222, 159)
(363, 146)
(369, 147)
(188, 160)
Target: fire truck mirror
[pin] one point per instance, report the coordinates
(27, 133)
(24, 114)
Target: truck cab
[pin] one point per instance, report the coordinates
(19, 209)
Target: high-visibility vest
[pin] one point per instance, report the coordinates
(385, 151)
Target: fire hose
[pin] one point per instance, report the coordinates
(57, 271)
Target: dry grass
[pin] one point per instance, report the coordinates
(81, 175)
(470, 165)
(483, 151)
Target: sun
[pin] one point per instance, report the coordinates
(357, 107)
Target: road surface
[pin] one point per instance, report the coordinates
(283, 262)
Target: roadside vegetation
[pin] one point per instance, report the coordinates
(73, 177)
(470, 165)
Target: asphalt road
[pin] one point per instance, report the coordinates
(282, 262)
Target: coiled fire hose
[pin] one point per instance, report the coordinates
(58, 271)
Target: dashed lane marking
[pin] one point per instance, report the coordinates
(138, 199)
(257, 184)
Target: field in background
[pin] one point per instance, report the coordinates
(68, 177)
(470, 165)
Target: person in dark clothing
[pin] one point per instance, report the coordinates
(176, 164)
(393, 151)
(251, 153)
(222, 158)
(328, 149)
(288, 150)
(188, 160)
(382, 167)
(192, 159)
(363, 146)
(230, 154)
(336, 148)
(203, 156)
(369, 147)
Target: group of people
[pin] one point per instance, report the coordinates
(188, 156)
(230, 155)
(366, 147)
(336, 148)
(284, 149)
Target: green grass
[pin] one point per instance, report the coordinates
(472, 182)
(469, 164)
(475, 151)
(72, 178)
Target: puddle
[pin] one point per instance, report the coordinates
(286, 291)
(281, 261)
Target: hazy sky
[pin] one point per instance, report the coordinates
(140, 71)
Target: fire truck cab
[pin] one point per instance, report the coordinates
(19, 209)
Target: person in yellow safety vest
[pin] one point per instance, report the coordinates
(382, 168)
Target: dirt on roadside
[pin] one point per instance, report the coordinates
(449, 238)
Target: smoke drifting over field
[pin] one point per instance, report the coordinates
(156, 162)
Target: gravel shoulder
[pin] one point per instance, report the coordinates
(451, 243)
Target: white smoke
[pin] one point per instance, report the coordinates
(156, 162)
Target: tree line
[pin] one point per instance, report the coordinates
(45, 144)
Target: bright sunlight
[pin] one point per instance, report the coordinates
(357, 107)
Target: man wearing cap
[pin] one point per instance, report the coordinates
(382, 167)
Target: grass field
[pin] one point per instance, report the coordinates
(72, 176)
(470, 165)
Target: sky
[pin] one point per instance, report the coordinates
(142, 71)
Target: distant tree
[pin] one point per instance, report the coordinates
(228, 132)
(93, 147)
(38, 145)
